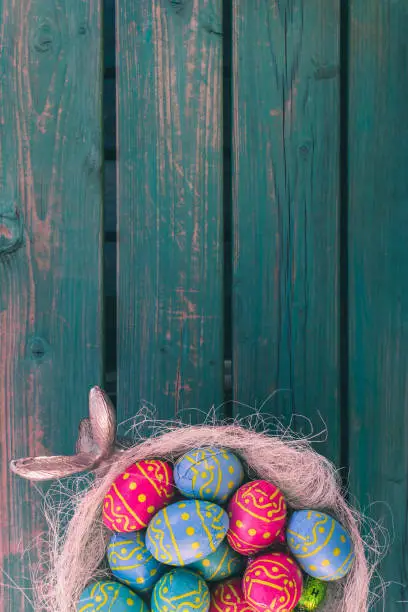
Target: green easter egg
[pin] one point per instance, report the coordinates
(313, 594)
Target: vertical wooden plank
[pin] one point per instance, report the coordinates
(169, 57)
(285, 210)
(378, 281)
(50, 253)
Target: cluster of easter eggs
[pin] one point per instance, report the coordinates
(194, 537)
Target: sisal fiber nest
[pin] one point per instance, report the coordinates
(76, 553)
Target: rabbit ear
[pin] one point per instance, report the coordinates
(85, 442)
(96, 443)
(51, 468)
(102, 418)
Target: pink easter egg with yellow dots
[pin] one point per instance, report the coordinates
(273, 583)
(229, 597)
(257, 514)
(137, 494)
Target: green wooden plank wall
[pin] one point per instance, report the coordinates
(170, 271)
(276, 128)
(378, 280)
(50, 251)
(286, 211)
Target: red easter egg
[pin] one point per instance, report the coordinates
(137, 494)
(229, 597)
(273, 583)
(257, 513)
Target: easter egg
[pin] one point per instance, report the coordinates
(273, 582)
(109, 596)
(257, 513)
(185, 532)
(320, 545)
(181, 591)
(229, 597)
(223, 563)
(313, 594)
(137, 494)
(132, 563)
(212, 474)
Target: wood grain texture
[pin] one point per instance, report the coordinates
(378, 281)
(170, 353)
(285, 210)
(50, 251)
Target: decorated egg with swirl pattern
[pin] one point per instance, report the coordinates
(186, 531)
(320, 545)
(132, 563)
(257, 514)
(229, 597)
(273, 582)
(109, 596)
(211, 473)
(219, 565)
(137, 494)
(180, 591)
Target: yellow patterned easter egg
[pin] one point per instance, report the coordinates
(257, 513)
(132, 563)
(186, 531)
(134, 497)
(181, 591)
(273, 583)
(210, 473)
(320, 545)
(109, 596)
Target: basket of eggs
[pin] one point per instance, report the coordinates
(201, 519)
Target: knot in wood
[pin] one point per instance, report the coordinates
(305, 148)
(179, 5)
(211, 22)
(43, 39)
(38, 348)
(11, 228)
(83, 29)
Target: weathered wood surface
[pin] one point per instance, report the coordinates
(285, 211)
(170, 349)
(378, 281)
(50, 251)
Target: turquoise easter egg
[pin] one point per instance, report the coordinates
(213, 474)
(225, 562)
(186, 531)
(132, 563)
(320, 545)
(181, 591)
(109, 596)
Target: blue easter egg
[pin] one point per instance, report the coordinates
(213, 474)
(186, 531)
(225, 562)
(181, 590)
(320, 545)
(109, 596)
(131, 562)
